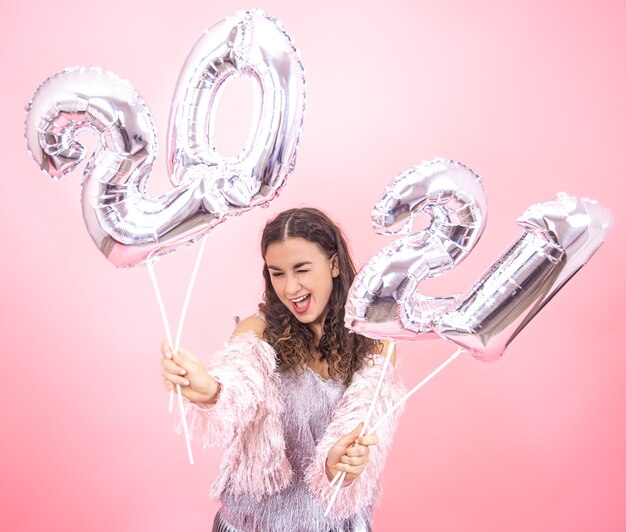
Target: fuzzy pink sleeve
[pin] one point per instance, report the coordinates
(245, 370)
(245, 419)
(352, 409)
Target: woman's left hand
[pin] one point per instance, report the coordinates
(350, 454)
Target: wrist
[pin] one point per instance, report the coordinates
(330, 471)
(217, 388)
(213, 394)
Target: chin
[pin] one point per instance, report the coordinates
(307, 319)
(303, 319)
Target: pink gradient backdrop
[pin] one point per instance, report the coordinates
(528, 94)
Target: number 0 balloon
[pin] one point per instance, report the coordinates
(130, 227)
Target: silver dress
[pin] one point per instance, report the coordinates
(309, 401)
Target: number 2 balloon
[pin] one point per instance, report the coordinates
(127, 225)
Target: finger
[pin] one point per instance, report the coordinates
(186, 392)
(187, 360)
(357, 450)
(184, 353)
(355, 470)
(354, 460)
(349, 477)
(176, 379)
(349, 438)
(357, 430)
(182, 361)
(172, 367)
(166, 350)
(368, 439)
(170, 387)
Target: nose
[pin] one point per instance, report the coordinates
(293, 285)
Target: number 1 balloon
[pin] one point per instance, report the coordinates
(559, 237)
(127, 225)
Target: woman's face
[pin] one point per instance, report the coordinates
(302, 277)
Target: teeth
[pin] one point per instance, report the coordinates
(300, 299)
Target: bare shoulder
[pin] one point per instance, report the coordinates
(254, 324)
(385, 348)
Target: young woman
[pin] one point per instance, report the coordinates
(287, 394)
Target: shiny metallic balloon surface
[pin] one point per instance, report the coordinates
(559, 237)
(127, 225)
(384, 300)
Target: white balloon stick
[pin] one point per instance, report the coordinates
(340, 476)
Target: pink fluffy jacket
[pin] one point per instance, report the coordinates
(246, 421)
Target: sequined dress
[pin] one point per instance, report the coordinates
(309, 402)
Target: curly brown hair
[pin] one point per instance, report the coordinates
(293, 341)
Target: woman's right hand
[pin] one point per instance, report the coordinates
(186, 369)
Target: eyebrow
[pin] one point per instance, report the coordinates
(295, 266)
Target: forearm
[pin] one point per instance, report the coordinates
(239, 375)
(362, 491)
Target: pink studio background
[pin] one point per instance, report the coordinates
(528, 94)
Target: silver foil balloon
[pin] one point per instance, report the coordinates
(128, 226)
(384, 300)
(246, 44)
(559, 237)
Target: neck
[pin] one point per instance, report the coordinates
(317, 327)
(317, 333)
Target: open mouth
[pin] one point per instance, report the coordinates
(302, 304)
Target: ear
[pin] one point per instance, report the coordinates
(334, 266)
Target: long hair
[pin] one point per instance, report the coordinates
(293, 341)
